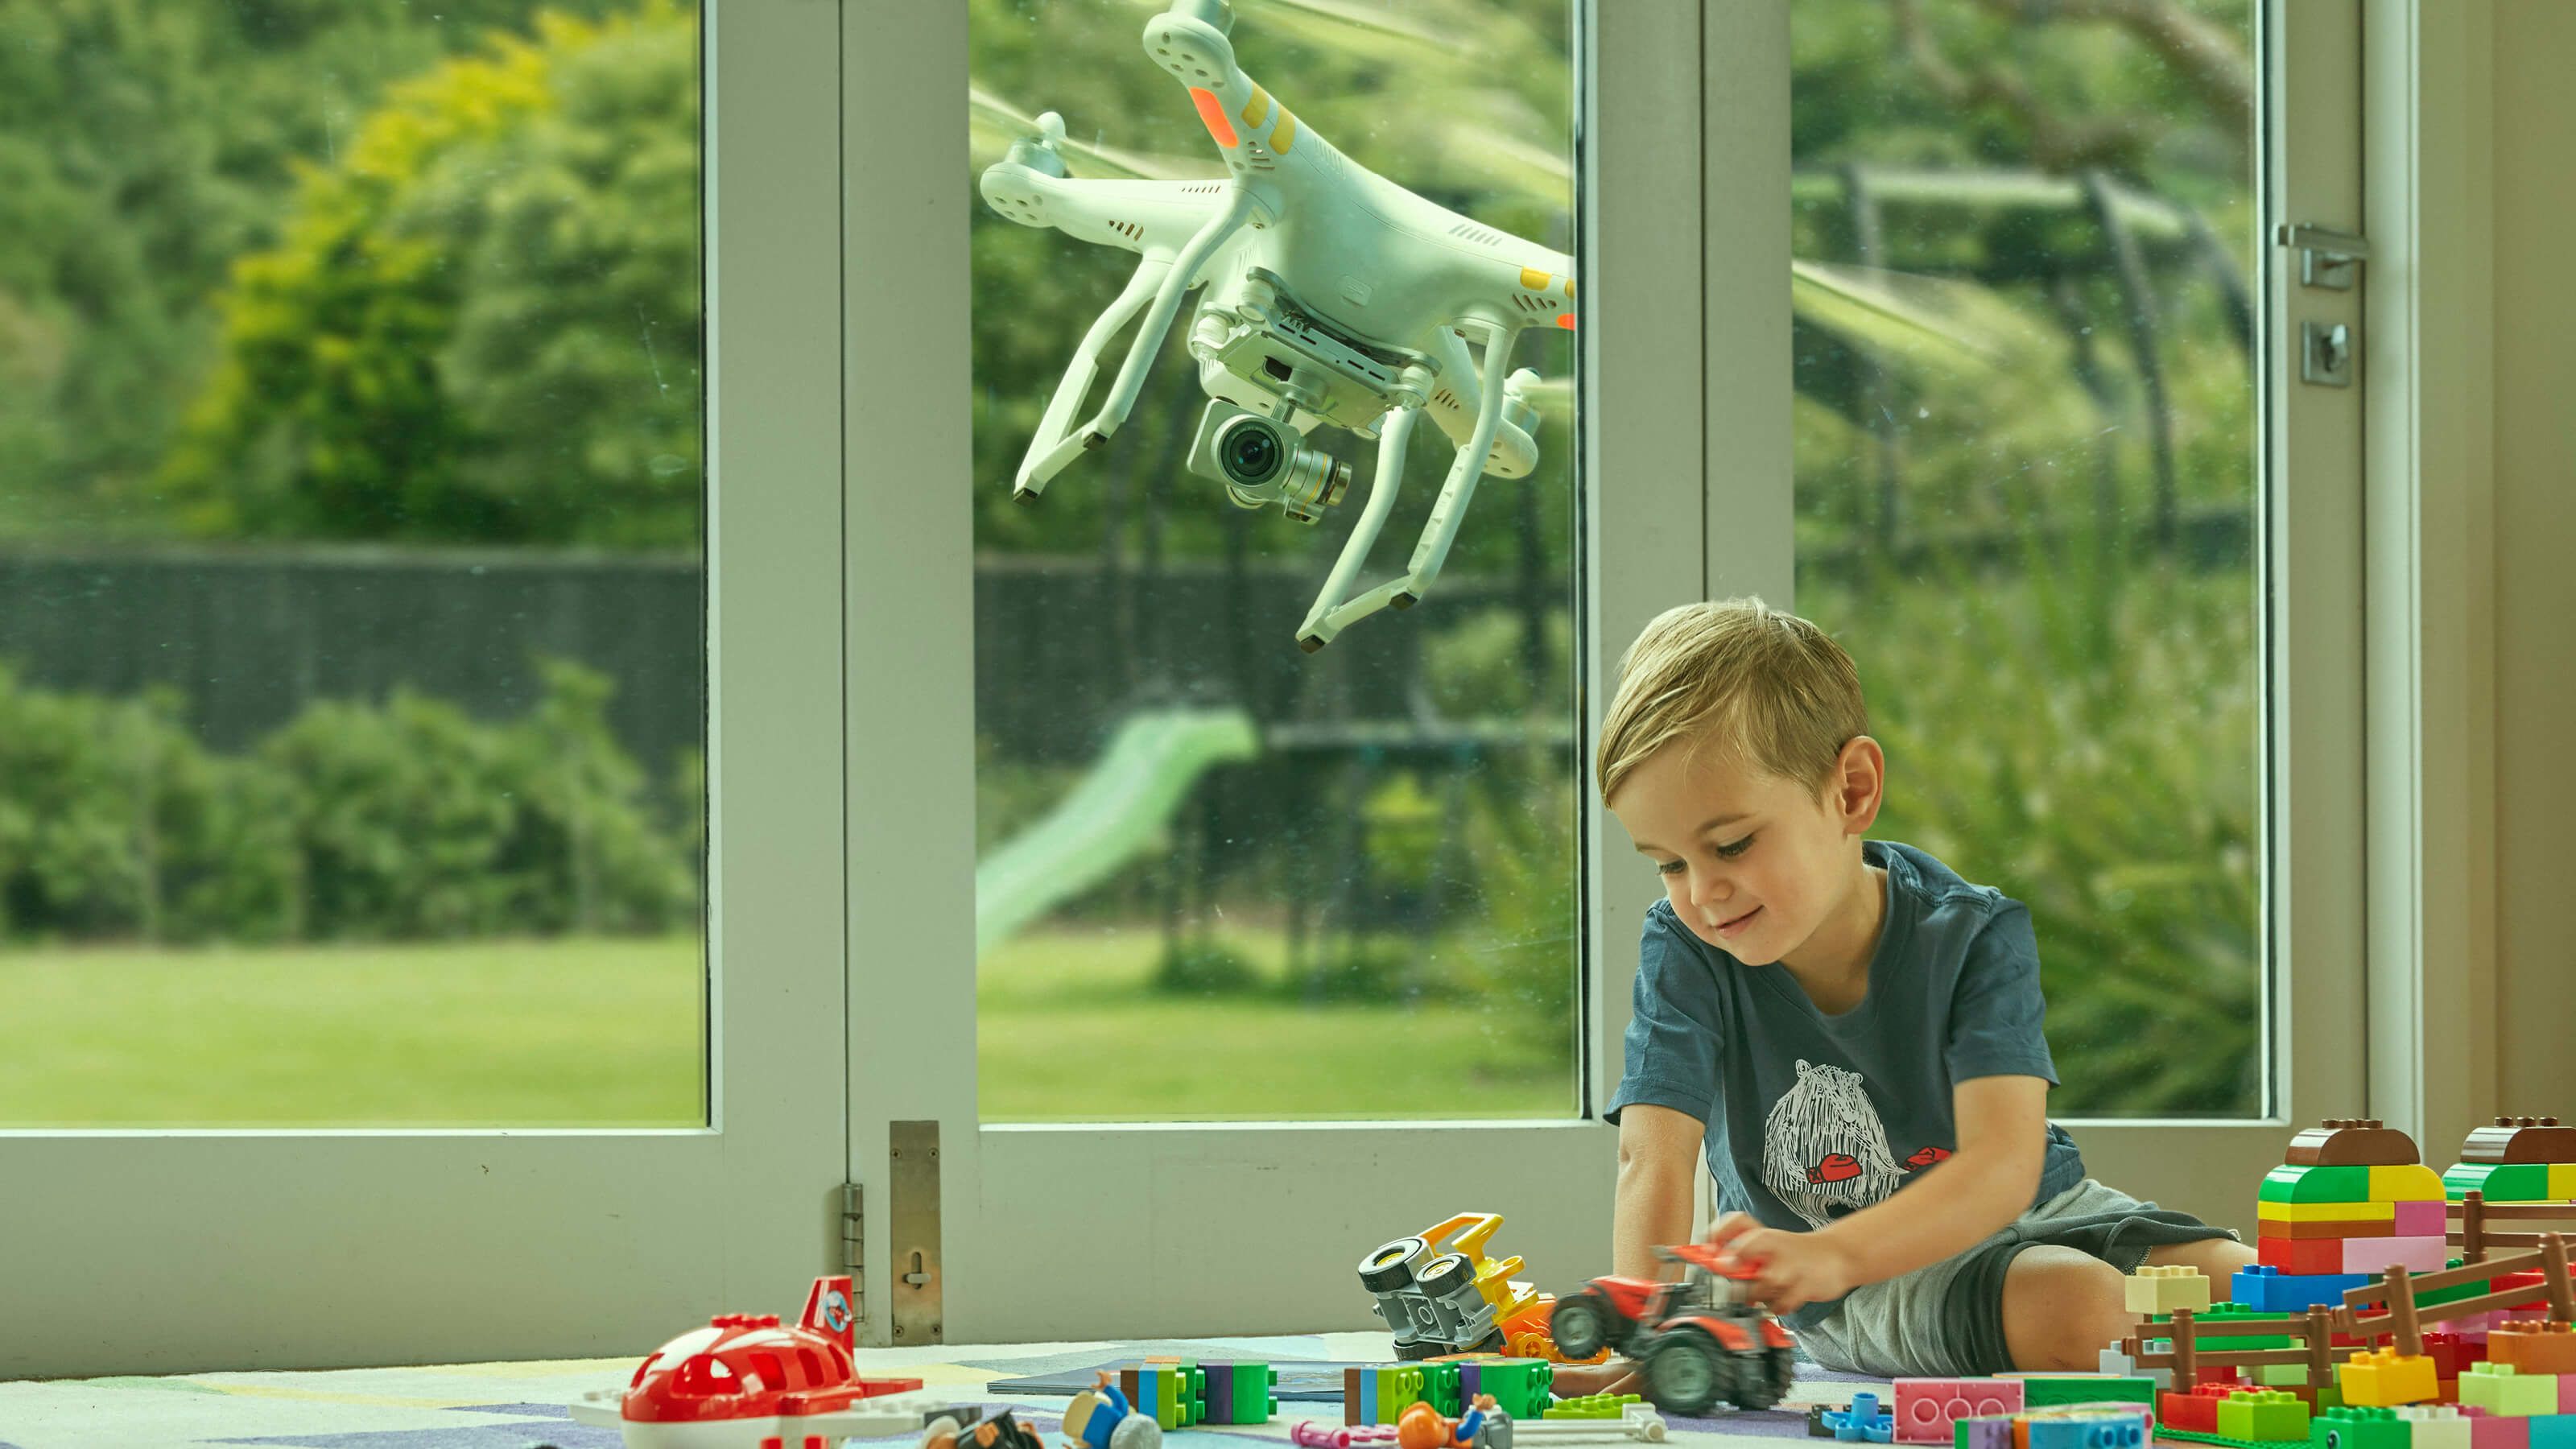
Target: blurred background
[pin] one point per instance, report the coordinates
(351, 504)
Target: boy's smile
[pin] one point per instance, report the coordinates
(1762, 867)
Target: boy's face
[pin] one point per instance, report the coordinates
(1756, 865)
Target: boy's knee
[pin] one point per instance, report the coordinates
(2061, 1308)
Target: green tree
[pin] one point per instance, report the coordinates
(481, 322)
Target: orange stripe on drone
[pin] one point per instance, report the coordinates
(1212, 113)
(1565, 320)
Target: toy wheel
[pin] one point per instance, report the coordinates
(1686, 1373)
(1780, 1370)
(1445, 1274)
(1391, 1266)
(1756, 1384)
(1582, 1324)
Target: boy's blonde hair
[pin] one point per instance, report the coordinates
(1767, 688)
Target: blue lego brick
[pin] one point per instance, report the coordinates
(2267, 1289)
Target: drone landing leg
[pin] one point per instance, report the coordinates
(1330, 615)
(1048, 451)
(1442, 528)
(1158, 323)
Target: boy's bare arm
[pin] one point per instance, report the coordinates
(1658, 1179)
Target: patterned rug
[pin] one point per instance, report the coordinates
(519, 1405)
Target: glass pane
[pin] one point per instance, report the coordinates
(1200, 845)
(351, 679)
(2026, 491)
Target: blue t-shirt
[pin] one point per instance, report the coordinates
(1813, 1116)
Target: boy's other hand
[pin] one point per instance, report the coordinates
(1616, 1376)
(1791, 1270)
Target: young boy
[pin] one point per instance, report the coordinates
(1852, 1030)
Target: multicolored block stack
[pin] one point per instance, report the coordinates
(2352, 1199)
(1379, 1394)
(1240, 1391)
(2519, 1159)
(1172, 1391)
(2058, 1426)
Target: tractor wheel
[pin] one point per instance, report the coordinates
(1390, 1267)
(1584, 1324)
(1686, 1373)
(1445, 1274)
(1761, 1377)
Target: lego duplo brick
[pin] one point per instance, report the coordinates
(2196, 1411)
(1240, 1392)
(2041, 1390)
(2378, 1255)
(2436, 1426)
(1378, 1395)
(2268, 1226)
(1926, 1408)
(2505, 1182)
(2305, 1211)
(2351, 1141)
(2498, 1431)
(2553, 1431)
(1984, 1431)
(1519, 1385)
(2359, 1428)
(2385, 1378)
(2521, 1139)
(2315, 1185)
(2498, 1389)
(1440, 1389)
(2267, 1288)
(2263, 1416)
(1591, 1406)
(2162, 1288)
(2087, 1432)
(2405, 1184)
(2533, 1346)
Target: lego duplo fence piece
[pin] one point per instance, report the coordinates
(1240, 1391)
(2263, 1416)
(1381, 1394)
(2533, 1346)
(2498, 1389)
(1927, 1408)
(1592, 1406)
(2164, 1287)
(1519, 1385)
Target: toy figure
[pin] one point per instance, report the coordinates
(1101, 1418)
(1423, 1427)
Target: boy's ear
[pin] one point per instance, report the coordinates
(1860, 784)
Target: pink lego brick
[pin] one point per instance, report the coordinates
(1925, 1408)
(2567, 1393)
(2422, 1219)
(2497, 1431)
(2373, 1255)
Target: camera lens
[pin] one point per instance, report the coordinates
(1249, 451)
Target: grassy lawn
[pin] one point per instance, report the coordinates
(606, 1033)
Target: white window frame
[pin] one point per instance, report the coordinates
(161, 1252)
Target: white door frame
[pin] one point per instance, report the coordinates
(159, 1252)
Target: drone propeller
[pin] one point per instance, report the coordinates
(995, 125)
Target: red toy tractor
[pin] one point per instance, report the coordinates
(1701, 1340)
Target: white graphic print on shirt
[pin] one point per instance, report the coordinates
(1823, 1146)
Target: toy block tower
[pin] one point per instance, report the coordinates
(2351, 1199)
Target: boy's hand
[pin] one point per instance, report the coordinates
(1616, 1376)
(1791, 1270)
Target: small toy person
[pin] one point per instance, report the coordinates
(1421, 1426)
(1101, 1418)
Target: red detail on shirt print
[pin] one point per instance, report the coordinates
(1836, 1167)
(1924, 1157)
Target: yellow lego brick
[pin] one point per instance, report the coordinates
(2412, 1183)
(2162, 1288)
(2562, 1181)
(2384, 1378)
(2328, 1212)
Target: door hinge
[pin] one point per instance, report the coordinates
(854, 1252)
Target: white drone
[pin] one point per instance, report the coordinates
(1333, 296)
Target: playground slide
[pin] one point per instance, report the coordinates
(1111, 815)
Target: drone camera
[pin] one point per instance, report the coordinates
(1262, 461)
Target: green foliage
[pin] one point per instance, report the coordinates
(482, 321)
(404, 821)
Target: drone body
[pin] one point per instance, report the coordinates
(1330, 296)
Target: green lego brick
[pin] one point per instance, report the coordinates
(2265, 1415)
(1519, 1385)
(2043, 1390)
(2233, 1313)
(1592, 1406)
(2196, 1437)
(1440, 1389)
(2276, 1375)
(2438, 1296)
(2343, 1428)
(2499, 1181)
(1251, 1396)
(2315, 1184)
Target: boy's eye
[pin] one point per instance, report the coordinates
(1668, 867)
(1735, 848)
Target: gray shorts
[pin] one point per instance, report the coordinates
(1945, 1320)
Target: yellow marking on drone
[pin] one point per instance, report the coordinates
(1287, 132)
(1534, 280)
(1569, 289)
(1256, 112)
